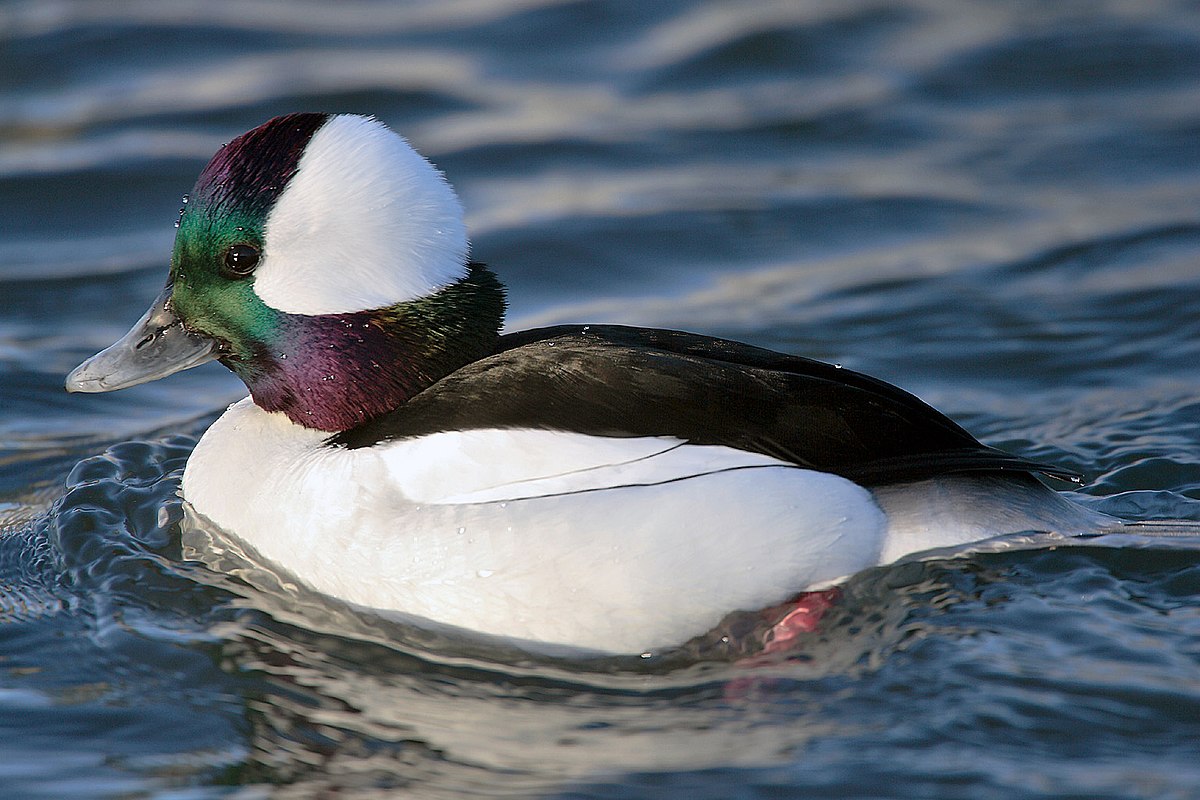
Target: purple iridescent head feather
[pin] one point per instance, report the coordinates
(249, 173)
(333, 372)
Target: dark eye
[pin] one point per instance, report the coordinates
(240, 260)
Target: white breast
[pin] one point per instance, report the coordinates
(616, 545)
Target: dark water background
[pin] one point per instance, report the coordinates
(993, 204)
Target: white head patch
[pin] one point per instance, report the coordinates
(364, 223)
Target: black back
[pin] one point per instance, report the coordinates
(610, 380)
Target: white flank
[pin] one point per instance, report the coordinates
(558, 539)
(364, 223)
(553, 539)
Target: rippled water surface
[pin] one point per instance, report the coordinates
(992, 204)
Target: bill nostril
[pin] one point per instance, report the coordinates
(145, 340)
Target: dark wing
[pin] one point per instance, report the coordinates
(609, 380)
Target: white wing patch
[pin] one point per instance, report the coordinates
(365, 223)
(482, 466)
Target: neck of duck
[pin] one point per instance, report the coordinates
(336, 371)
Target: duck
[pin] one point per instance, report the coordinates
(577, 488)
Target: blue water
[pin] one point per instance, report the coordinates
(993, 204)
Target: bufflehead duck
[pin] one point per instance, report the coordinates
(595, 487)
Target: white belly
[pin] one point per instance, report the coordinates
(616, 545)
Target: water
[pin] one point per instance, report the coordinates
(993, 204)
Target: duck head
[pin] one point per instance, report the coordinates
(324, 261)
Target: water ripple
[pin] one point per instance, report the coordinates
(989, 203)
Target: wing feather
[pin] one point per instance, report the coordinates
(616, 381)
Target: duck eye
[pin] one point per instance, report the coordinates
(240, 260)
